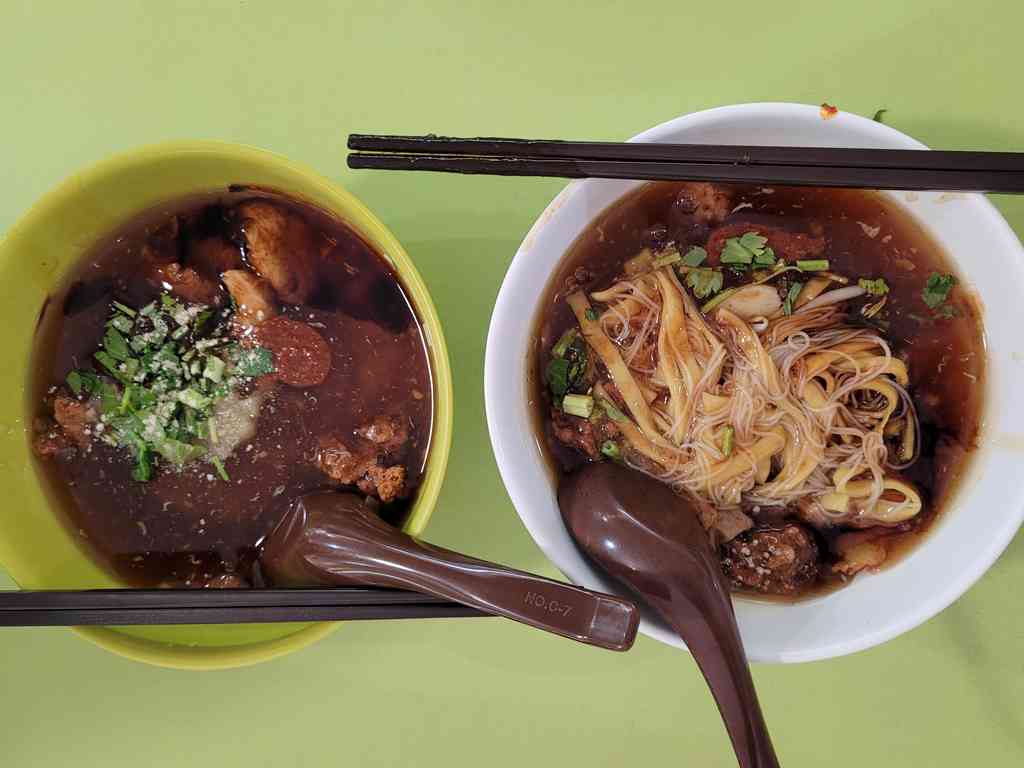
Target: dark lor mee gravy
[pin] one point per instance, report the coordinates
(867, 236)
(191, 527)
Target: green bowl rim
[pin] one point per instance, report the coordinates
(366, 223)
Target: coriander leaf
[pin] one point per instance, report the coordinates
(735, 253)
(109, 363)
(766, 258)
(178, 452)
(937, 289)
(704, 281)
(116, 345)
(74, 382)
(695, 256)
(110, 399)
(753, 242)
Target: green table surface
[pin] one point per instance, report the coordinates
(83, 80)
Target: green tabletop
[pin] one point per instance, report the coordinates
(83, 80)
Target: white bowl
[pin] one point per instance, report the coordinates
(983, 515)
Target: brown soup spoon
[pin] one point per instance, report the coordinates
(336, 539)
(651, 540)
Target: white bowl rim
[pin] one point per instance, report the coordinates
(508, 306)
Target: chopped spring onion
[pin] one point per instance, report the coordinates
(812, 265)
(564, 342)
(143, 470)
(876, 287)
(219, 466)
(578, 405)
(611, 449)
(695, 256)
(123, 309)
(193, 399)
(613, 412)
(214, 369)
(791, 297)
(592, 315)
(123, 323)
(727, 437)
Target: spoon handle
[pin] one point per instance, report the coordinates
(580, 614)
(315, 544)
(715, 642)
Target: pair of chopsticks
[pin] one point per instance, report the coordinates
(801, 166)
(122, 607)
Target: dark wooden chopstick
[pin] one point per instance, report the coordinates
(728, 154)
(23, 608)
(801, 166)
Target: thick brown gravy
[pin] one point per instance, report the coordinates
(945, 356)
(187, 527)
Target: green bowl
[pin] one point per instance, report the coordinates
(36, 548)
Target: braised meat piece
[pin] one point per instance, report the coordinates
(301, 356)
(388, 432)
(75, 418)
(186, 283)
(281, 247)
(162, 246)
(341, 463)
(706, 202)
(362, 460)
(253, 296)
(776, 561)
(860, 550)
(51, 442)
(386, 483)
(210, 256)
(584, 435)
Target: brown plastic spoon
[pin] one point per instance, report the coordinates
(650, 539)
(335, 539)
